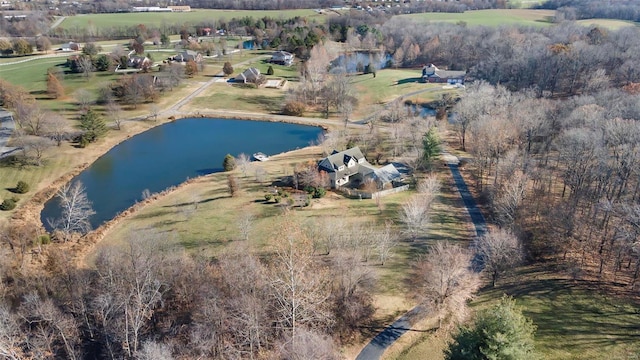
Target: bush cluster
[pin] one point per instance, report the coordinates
(8, 204)
(22, 187)
(294, 108)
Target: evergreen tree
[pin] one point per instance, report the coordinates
(270, 70)
(501, 332)
(229, 163)
(430, 145)
(93, 125)
(102, 63)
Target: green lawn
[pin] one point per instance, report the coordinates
(32, 74)
(494, 17)
(194, 17)
(575, 320)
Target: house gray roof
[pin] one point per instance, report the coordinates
(251, 74)
(331, 164)
(386, 174)
(432, 71)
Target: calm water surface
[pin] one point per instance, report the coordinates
(169, 154)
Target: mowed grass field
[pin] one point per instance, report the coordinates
(150, 19)
(494, 17)
(610, 24)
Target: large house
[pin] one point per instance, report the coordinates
(350, 166)
(282, 58)
(187, 55)
(251, 75)
(432, 74)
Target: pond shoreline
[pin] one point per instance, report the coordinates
(30, 211)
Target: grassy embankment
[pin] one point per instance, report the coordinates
(97, 21)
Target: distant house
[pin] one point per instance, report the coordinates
(350, 166)
(206, 31)
(180, 8)
(282, 58)
(187, 55)
(432, 74)
(70, 46)
(251, 75)
(138, 62)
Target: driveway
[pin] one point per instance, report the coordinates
(7, 125)
(377, 346)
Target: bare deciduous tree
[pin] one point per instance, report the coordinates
(84, 98)
(57, 128)
(415, 211)
(152, 350)
(115, 113)
(245, 225)
(11, 337)
(299, 285)
(75, 210)
(31, 118)
(499, 251)
(243, 161)
(448, 280)
(385, 240)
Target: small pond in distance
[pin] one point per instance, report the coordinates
(169, 154)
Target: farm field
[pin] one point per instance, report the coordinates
(98, 21)
(493, 17)
(610, 24)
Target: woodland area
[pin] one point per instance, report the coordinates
(550, 121)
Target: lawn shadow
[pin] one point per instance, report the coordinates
(408, 81)
(271, 104)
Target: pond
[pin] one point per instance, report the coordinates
(169, 154)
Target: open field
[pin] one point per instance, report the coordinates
(493, 17)
(194, 17)
(610, 24)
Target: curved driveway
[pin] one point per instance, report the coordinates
(376, 347)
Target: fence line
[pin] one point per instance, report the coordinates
(368, 195)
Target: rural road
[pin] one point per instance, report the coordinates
(376, 347)
(7, 125)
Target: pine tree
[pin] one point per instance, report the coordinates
(54, 87)
(229, 163)
(500, 332)
(93, 125)
(430, 145)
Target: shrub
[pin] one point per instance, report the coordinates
(229, 163)
(277, 199)
(268, 197)
(270, 70)
(294, 108)
(44, 239)
(8, 204)
(227, 68)
(22, 187)
(319, 192)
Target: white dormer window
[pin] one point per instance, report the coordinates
(360, 161)
(341, 167)
(351, 163)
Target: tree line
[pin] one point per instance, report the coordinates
(593, 9)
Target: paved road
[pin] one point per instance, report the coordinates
(389, 335)
(469, 202)
(7, 125)
(376, 347)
